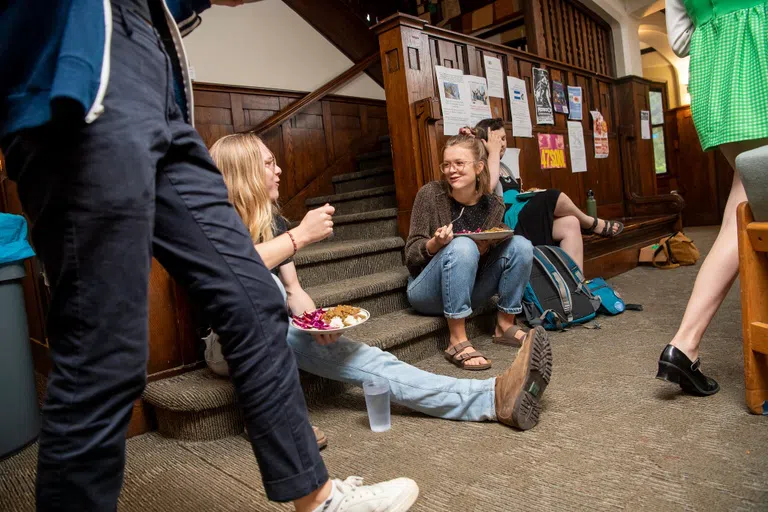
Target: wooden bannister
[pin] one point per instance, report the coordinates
(297, 106)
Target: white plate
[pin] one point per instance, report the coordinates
(365, 312)
(493, 235)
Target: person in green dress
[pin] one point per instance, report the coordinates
(728, 45)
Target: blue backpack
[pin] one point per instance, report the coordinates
(556, 296)
(611, 302)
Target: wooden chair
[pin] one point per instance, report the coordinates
(753, 269)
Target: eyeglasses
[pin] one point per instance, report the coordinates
(445, 167)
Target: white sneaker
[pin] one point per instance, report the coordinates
(351, 495)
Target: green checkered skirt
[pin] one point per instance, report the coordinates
(728, 79)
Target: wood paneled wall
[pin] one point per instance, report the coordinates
(568, 32)
(311, 147)
(624, 183)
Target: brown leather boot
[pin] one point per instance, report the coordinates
(519, 389)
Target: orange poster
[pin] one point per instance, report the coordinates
(552, 151)
(600, 133)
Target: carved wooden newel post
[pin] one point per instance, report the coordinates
(408, 78)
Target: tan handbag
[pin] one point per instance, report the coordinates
(678, 249)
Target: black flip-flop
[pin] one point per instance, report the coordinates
(607, 231)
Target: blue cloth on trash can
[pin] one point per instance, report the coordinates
(13, 239)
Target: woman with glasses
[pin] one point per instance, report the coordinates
(452, 275)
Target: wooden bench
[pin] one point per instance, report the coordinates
(753, 269)
(608, 257)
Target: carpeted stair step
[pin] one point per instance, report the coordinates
(361, 180)
(358, 201)
(338, 260)
(380, 293)
(195, 406)
(374, 159)
(365, 226)
(413, 337)
(385, 141)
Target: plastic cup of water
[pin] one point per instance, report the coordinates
(377, 403)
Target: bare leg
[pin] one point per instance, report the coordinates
(720, 267)
(566, 231)
(566, 207)
(311, 501)
(503, 322)
(458, 330)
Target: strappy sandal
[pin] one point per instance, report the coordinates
(607, 231)
(509, 338)
(452, 354)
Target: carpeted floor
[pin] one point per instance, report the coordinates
(610, 437)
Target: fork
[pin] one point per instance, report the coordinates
(460, 214)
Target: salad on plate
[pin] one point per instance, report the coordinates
(330, 320)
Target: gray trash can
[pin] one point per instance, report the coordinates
(20, 418)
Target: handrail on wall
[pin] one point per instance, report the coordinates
(297, 106)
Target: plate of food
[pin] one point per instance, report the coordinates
(488, 234)
(330, 320)
(530, 193)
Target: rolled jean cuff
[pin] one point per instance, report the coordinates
(297, 486)
(511, 311)
(458, 316)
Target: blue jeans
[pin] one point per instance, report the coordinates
(436, 395)
(103, 198)
(454, 282)
(354, 363)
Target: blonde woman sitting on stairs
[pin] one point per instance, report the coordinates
(252, 177)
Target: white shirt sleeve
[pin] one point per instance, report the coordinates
(679, 27)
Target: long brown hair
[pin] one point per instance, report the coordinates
(241, 162)
(476, 146)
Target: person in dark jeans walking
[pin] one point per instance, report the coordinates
(110, 171)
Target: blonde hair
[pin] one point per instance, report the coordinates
(476, 146)
(241, 162)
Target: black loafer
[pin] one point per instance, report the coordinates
(674, 366)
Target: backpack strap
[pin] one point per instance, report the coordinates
(573, 269)
(577, 275)
(557, 281)
(558, 322)
(664, 246)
